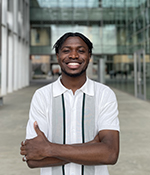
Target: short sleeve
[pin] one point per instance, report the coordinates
(108, 116)
(37, 113)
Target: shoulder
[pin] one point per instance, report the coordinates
(103, 91)
(45, 90)
(44, 93)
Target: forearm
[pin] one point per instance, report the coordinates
(104, 150)
(46, 162)
(85, 154)
(52, 161)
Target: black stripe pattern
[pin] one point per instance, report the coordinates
(64, 128)
(83, 137)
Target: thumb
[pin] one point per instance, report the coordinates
(36, 128)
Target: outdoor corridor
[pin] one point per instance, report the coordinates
(134, 115)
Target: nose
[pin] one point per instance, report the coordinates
(74, 54)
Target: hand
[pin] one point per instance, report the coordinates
(36, 148)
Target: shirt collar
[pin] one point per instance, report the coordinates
(87, 88)
(58, 88)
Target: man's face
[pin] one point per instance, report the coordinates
(73, 56)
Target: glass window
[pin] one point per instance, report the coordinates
(40, 66)
(140, 37)
(119, 3)
(148, 76)
(147, 47)
(139, 23)
(146, 16)
(147, 34)
(148, 3)
(68, 3)
(40, 36)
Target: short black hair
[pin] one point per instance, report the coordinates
(62, 39)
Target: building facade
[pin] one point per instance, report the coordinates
(14, 47)
(119, 29)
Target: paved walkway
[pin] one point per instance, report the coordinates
(135, 130)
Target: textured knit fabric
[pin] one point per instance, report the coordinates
(100, 113)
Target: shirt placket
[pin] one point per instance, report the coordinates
(73, 119)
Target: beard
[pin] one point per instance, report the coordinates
(74, 75)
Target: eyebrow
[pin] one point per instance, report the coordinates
(70, 47)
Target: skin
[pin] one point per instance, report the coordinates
(73, 57)
(73, 50)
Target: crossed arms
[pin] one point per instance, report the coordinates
(40, 152)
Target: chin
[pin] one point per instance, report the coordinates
(73, 74)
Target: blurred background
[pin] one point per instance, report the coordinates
(119, 30)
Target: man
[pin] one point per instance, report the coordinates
(73, 128)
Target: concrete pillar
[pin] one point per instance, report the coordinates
(101, 70)
(4, 62)
(15, 62)
(27, 70)
(10, 63)
(19, 63)
(4, 49)
(90, 69)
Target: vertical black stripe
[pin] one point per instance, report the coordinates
(83, 104)
(63, 170)
(82, 170)
(64, 128)
(83, 137)
(64, 122)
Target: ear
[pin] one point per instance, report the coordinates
(57, 56)
(90, 55)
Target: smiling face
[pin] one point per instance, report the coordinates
(73, 57)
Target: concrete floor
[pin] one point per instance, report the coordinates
(134, 117)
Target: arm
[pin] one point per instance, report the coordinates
(95, 152)
(104, 152)
(46, 162)
(30, 133)
(51, 161)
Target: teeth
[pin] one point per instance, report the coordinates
(73, 64)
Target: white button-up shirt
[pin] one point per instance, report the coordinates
(106, 113)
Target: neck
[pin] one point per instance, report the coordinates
(73, 83)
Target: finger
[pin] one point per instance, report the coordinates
(36, 128)
(23, 143)
(24, 158)
(22, 148)
(23, 152)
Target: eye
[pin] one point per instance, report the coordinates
(66, 51)
(81, 51)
